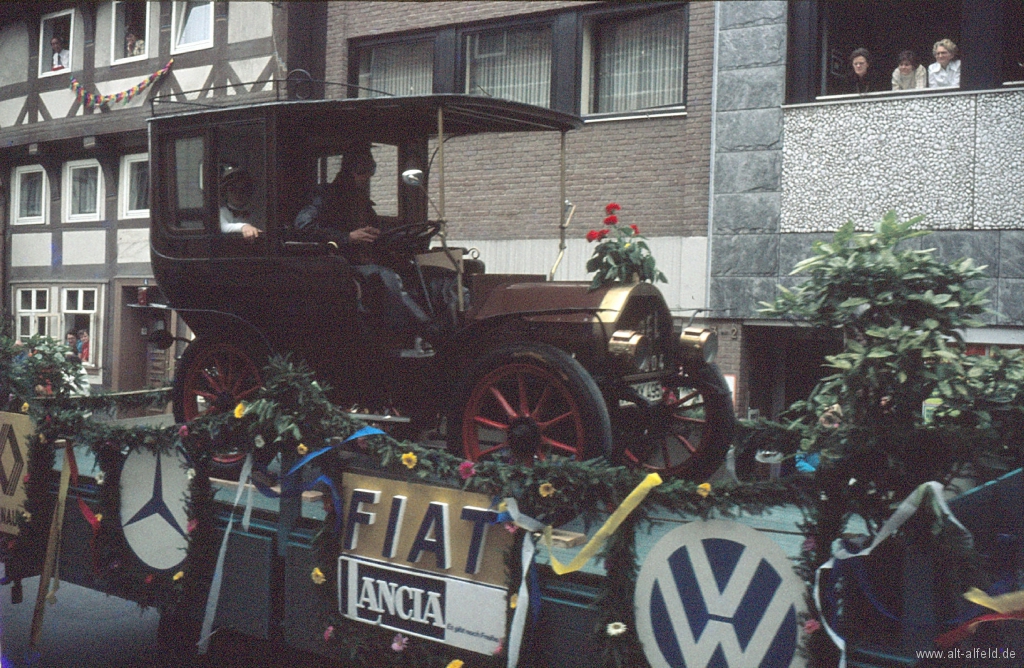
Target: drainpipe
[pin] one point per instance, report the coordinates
(711, 160)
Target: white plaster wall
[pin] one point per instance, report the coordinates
(31, 249)
(958, 159)
(103, 25)
(192, 79)
(682, 259)
(133, 245)
(249, 20)
(14, 46)
(9, 110)
(248, 71)
(58, 102)
(85, 247)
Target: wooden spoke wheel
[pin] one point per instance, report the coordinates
(213, 377)
(529, 401)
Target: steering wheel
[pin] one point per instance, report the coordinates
(406, 239)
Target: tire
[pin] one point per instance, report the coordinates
(212, 377)
(525, 401)
(695, 423)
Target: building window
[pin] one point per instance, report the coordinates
(133, 200)
(79, 315)
(193, 26)
(83, 192)
(636, 63)
(129, 30)
(29, 203)
(33, 315)
(396, 69)
(55, 43)
(514, 64)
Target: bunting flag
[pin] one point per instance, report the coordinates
(91, 100)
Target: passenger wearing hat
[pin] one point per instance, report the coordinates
(236, 192)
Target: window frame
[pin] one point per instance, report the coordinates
(116, 45)
(589, 46)
(16, 177)
(95, 315)
(466, 38)
(124, 210)
(45, 314)
(177, 11)
(46, 53)
(67, 190)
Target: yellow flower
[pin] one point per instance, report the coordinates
(502, 507)
(409, 459)
(24, 407)
(179, 575)
(302, 449)
(513, 601)
(457, 663)
(318, 576)
(615, 629)
(704, 489)
(546, 489)
(239, 410)
(99, 517)
(27, 516)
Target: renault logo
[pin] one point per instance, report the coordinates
(718, 594)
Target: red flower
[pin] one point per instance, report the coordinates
(611, 208)
(593, 235)
(149, 579)
(602, 234)
(636, 230)
(611, 220)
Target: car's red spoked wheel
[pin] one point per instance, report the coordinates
(529, 401)
(692, 428)
(216, 376)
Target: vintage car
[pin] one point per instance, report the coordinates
(528, 367)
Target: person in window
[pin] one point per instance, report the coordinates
(945, 71)
(72, 340)
(909, 75)
(83, 344)
(342, 213)
(861, 78)
(61, 56)
(236, 191)
(133, 46)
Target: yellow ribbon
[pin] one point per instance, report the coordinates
(614, 520)
(1004, 604)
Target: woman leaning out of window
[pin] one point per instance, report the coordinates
(945, 71)
(909, 74)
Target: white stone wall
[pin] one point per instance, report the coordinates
(956, 158)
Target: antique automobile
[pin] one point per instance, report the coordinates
(526, 367)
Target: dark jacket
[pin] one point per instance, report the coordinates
(335, 210)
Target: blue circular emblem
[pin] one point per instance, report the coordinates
(718, 595)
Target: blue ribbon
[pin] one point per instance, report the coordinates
(290, 490)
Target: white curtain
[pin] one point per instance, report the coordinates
(641, 64)
(84, 185)
(398, 69)
(511, 64)
(138, 193)
(30, 198)
(195, 22)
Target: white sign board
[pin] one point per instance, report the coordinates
(154, 502)
(719, 593)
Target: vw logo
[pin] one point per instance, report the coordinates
(154, 493)
(718, 594)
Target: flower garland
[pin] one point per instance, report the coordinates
(91, 100)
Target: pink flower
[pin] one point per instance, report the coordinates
(183, 431)
(467, 470)
(191, 526)
(611, 208)
(636, 230)
(611, 220)
(511, 528)
(812, 625)
(328, 633)
(500, 648)
(149, 579)
(809, 545)
(399, 642)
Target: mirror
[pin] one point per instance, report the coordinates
(413, 177)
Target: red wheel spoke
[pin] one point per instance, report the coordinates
(213, 381)
(690, 420)
(558, 445)
(541, 403)
(686, 443)
(479, 419)
(555, 420)
(503, 402)
(487, 451)
(524, 406)
(205, 395)
(247, 393)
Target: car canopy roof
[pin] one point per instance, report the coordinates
(392, 118)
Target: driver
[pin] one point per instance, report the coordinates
(342, 213)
